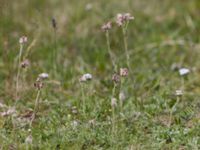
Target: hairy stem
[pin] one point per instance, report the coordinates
(35, 107)
(109, 51)
(19, 69)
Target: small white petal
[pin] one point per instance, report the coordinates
(184, 71)
(43, 75)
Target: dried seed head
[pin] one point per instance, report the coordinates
(25, 63)
(123, 72)
(107, 26)
(122, 18)
(54, 24)
(38, 85)
(113, 102)
(23, 40)
(85, 77)
(116, 78)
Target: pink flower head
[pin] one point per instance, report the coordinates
(107, 26)
(23, 40)
(116, 78)
(123, 72)
(122, 18)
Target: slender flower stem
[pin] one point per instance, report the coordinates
(83, 99)
(120, 101)
(124, 29)
(171, 111)
(35, 107)
(109, 51)
(113, 111)
(19, 69)
(55, 52)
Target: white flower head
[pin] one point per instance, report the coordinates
(178, 92)
(184, 71)
(43, 75)
(23, 40)
(85, 77)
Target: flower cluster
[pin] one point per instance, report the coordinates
(23, 40)
(107, 26)
(123, 18)
(122, 73)
(120, 20)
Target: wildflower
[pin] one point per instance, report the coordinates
(85, 77)
(43, 75)
(23, 40)
(116, 78)
(113, 102)
(107, 26)
(123, 72)
(178, 92)
(122, 18)
(184, 71)
(122, 96)
(25, 63)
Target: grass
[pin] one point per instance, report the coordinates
(163, 34)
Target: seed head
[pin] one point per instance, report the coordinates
(23, 40)
(25, 63)
(123, 72)
(116, 78)
(54, 24)
(38, 85)
(107, 26)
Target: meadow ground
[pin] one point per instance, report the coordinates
(162, 39)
